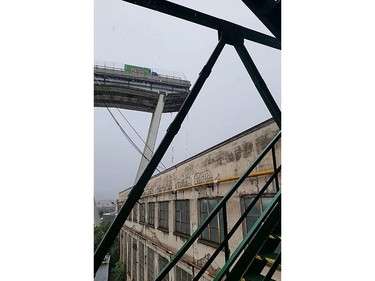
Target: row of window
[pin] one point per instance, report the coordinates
(214, 232)
(147, 256)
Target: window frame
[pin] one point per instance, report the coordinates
(180, 272)
(219, 229)
(179, 215)
(163, 216)
(151, 211)
(162, 262)
(260, 204)
(150, 264)
(142, 213)
(129, 254)
(135, 212)
(135, 258)
(141, 265)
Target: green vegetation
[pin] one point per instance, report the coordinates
(99, 232)
(117, 269)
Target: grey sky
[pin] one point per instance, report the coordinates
(46, 142)
(227, 104)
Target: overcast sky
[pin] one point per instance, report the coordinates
(227, 104)
(46, 120)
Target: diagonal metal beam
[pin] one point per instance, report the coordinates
(138, 188)
(268, 12)
(259, 83)
(251, 244)
(197, 17)
(215, 211)
(273, 268)
(236, 225)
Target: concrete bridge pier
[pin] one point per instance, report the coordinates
(151, 136)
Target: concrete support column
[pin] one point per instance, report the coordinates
(151, 136)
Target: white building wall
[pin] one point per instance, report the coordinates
(209, 174)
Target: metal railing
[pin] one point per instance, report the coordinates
(231, 34)
(222, 206)
(120, 67)
(252, 243)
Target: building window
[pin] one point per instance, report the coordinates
(141, 261)
(129, 259)
(135, 213)
(151, 265)
(134, 259)
(256, 211)
(214, 231)
(124, 240)
(182, 216)
(163, 215)
(162, 263)
(142, 211)
(151, 214)
(182, 275)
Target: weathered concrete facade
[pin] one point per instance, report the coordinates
(175, 201)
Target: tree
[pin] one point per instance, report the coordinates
(119, 271)
(99, 232)
(115, 265)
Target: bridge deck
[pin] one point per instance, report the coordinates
(117, 88)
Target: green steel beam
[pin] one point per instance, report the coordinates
(236, 225)
(251, 244)
(224, 27)
(274, 168)
(138, 188)
(197, 17)
(268, 12)
(273, 268)
(259, 83)
(215, 211)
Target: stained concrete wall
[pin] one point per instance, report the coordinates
(215, 166)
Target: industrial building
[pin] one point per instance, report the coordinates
(216, 215)
(176, 201)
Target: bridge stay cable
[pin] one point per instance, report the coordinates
(139, 137)
(128, 137)
(228, 34)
